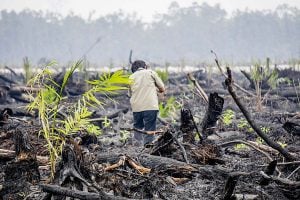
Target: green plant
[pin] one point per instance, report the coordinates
(227, 117)
(259, 140)
(50, 97)
(106, 122)
(239, 147)
(27, 69)
(244, 125)
(296, 91)
(163, 74)
(265, 130)
(294, 63)
(169, 108)
(124, 135)
(283, 145)
(256, 74)
(284, 80)
(259, 74)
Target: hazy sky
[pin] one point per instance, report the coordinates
(145, 9)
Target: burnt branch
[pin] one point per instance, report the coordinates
(229, 83)
(269, 171)
(223, 73)
(230, 185)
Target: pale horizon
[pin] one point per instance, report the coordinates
(143, 9)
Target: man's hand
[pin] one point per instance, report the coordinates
(161, 90)
(161, 96)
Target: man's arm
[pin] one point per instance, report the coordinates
(158, 82)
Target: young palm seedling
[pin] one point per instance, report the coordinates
(49, 101)
(258, 75)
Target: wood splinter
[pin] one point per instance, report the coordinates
(142, 170)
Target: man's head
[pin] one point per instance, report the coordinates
(138, 64)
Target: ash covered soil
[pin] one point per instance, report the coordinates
(206, 154)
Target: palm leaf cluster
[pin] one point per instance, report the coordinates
(49, 101)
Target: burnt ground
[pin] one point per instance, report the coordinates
(211, 163)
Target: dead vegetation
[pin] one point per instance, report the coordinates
(199, 152)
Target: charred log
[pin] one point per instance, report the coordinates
(160, 164)
(7, 80)
(17, 111)
(8, 155)
(57, 190)
(166, 145)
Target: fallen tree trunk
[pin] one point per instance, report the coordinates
(163, 164)
(167, 166)
(57, 190)
(10, 155)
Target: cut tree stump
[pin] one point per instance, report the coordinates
(22, 172)
(214, 111)
(188, 126)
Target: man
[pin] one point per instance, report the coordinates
(144, 99)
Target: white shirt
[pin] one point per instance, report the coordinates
(144, 90)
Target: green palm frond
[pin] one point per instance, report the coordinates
(48, 100)
(107, 83)
(68, 74)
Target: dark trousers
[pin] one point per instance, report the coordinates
(145, 120)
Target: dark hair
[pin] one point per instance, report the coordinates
(137, 64)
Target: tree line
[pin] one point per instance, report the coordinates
(182, 34)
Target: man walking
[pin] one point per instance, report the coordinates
(144, 99)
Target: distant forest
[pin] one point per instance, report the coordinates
(182, 34)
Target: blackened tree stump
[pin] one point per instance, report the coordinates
(22, 172)
(188, 126)
(213, 113)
